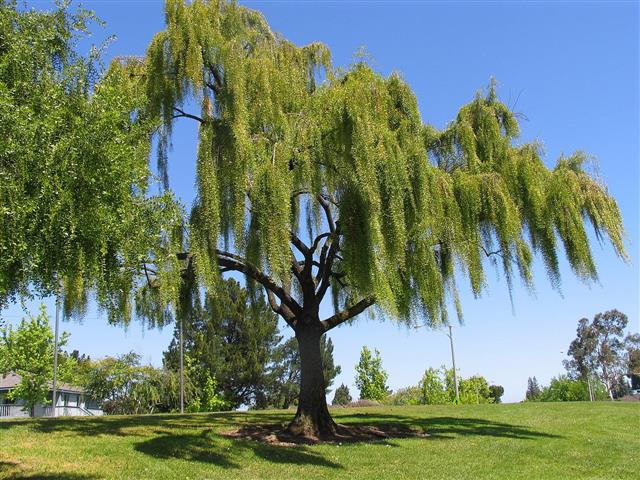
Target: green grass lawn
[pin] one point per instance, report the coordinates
(534, 440)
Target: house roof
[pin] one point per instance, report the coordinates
(10, 380)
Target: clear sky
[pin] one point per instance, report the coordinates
(570, 67)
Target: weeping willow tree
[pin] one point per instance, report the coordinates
(313, 180)
(76, 215)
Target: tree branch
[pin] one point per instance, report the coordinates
(348, 313)
(234, 262)
(327, 211)
(326, 268)
(300, 245)
(281, 309)
(318, 239)
(488, 253)
(182, 113)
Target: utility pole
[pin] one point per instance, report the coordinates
(453, 361)
(55, 356)
(181, 369)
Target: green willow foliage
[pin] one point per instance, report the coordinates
(74, 176)
(280, 127)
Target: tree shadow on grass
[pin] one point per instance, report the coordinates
(193, 437)
(206, 448)
(447, 427)
(12, 470)
(134, 425)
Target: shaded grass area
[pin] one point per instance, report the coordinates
(570, 440)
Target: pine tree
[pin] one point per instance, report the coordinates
(342, 395)
(533, 389)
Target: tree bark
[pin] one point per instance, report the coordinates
(312, 418)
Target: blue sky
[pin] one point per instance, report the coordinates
(570, 67)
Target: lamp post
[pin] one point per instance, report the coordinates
(453, 358)
(55, 356)
(453, 361)
(181, 369)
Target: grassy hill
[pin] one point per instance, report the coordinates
(535, 440)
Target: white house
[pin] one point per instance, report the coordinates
(71, 401)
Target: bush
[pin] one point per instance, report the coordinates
(363, 403)
(405, 396)
(566, 389)
(437, 387)
(475, 390)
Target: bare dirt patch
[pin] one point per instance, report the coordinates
(277, 436)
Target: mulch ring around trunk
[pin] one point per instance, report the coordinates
(277, 436)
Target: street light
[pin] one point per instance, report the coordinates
(453, 358)
(55, 355)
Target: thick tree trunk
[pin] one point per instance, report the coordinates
(312, 418)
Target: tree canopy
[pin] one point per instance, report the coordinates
(75, 207)
(291, 148)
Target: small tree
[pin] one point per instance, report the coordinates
(28, 351)
(533, 390)
(433, 389)
(371, 379)
(475, 390)
(342, 395)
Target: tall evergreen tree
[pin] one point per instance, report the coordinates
(232, 339)
(533, 389)
(312, 179)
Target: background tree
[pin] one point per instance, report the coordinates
(27, 350)
(283, 387)
(496, 392)
(533, 390)
(437, 387)
(566, 389)
(371, 378)
(433, 391)
(312, 179)
(582, 361)
(123, 386)
(342, 395)
(230, 337)
(632, 346)
(475, 390)
(599, 349)
(74, 189)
